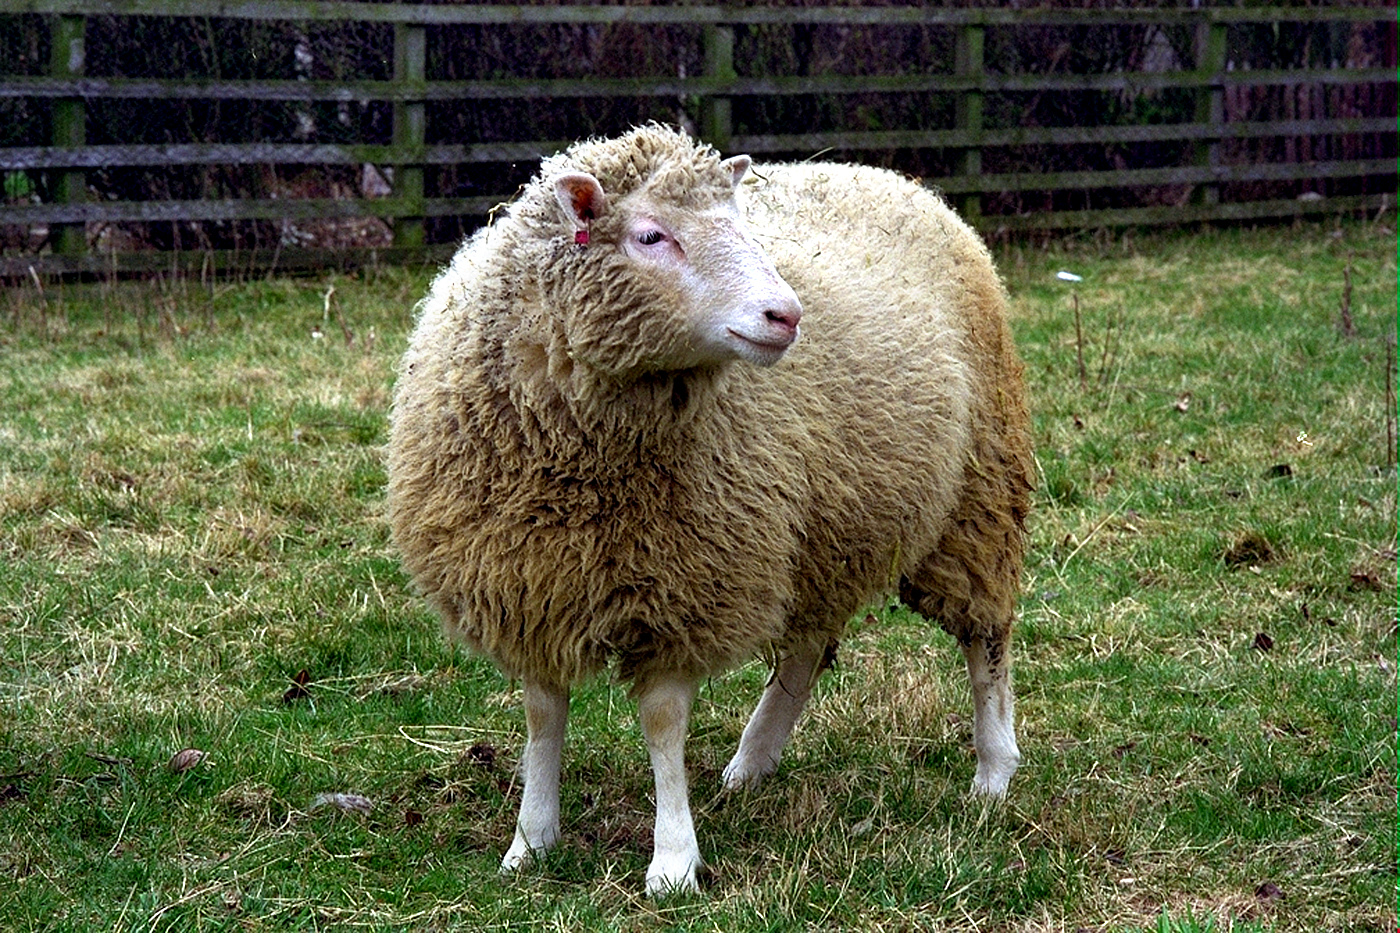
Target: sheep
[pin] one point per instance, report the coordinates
(609, 446)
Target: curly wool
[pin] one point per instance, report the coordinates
(561, 504)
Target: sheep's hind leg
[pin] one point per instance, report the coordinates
(761, 745)
(993, 714)
(537, 828)
(663, 705)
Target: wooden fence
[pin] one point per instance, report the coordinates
(1214, 174)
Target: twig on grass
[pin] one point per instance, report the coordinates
(1110, 349)
(1059, 571)
(184, 899)
(1390, 413)
(43, 303)
(126, 820)
(1345, 323)
(339, 317)
(1079, 344)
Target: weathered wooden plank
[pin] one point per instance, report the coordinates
(969, 61)
(716, 111)
(224, 262)
(354, 91)
(485, 14)
(275, 209)
(324, 208)
(1176, 175)
(1209, 106)
(1184, 214)
(1059, 135)
(533, 89)
(68, 58)
(410, 129)
(111, 156)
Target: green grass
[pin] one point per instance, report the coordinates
(190, 515)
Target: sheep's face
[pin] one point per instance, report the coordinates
(684, 285)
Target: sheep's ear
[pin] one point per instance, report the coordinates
(738, 167)
(581, 197)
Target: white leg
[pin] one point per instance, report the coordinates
(993, 716)
(664, 708)
(768, 729)
(537, 828)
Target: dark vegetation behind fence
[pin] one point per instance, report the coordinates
(212, 135)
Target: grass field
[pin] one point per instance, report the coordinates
(193, 556)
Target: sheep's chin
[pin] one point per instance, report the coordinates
(758, 352)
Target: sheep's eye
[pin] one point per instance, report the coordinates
(650, 237)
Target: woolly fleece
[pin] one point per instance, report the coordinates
(563, 503)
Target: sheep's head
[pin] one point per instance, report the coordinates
(665, 275)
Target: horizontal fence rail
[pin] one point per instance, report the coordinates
(677, 14)
(1194, 127)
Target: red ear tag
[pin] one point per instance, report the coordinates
(581, 238)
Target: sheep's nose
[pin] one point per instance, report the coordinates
(785, 316)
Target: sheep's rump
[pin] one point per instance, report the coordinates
(721, 514)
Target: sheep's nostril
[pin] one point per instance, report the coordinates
(786, 318)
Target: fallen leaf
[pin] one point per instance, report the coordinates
(482, 754)
(185, 759)
(1268, 892)
(298, 690)
(1364, 579)
(412, 817)
(1263, 642)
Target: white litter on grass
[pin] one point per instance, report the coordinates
(1064, 276)
(346, 803)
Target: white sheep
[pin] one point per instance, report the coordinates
(609, 445)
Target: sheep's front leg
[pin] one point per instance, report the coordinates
(537, 828)
(664, 708)
(993, 715)
(768, 729)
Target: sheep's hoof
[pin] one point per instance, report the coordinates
(521, 854)
(993, 781)
(744, 774)
(673, 874)
(514, 861)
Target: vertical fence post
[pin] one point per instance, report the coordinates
(715, 112)
(1210, 102)
(968, 63)
(68, 59)
(410, 129)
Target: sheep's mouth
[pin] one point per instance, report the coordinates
(759, 351)
(776, 345)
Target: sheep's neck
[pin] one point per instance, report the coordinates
(590, 422)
